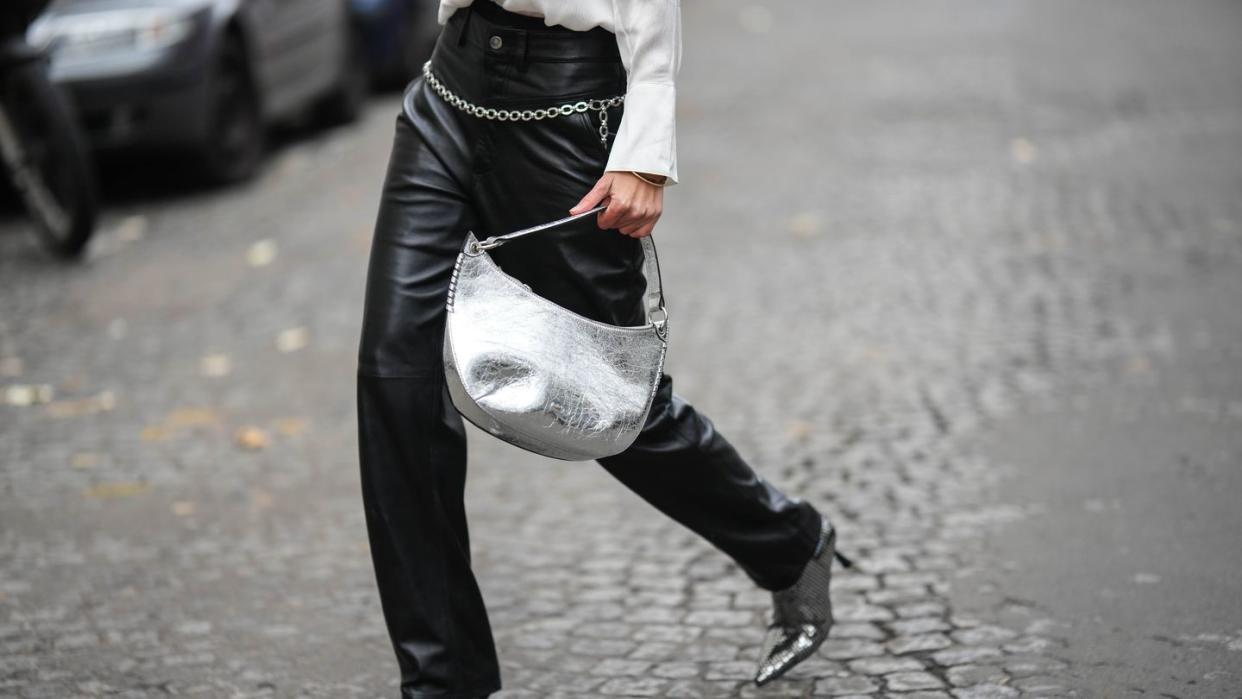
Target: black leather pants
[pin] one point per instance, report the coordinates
(450, 173)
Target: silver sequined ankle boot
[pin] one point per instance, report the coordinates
(802, 613)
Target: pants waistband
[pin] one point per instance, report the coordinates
(507, 36)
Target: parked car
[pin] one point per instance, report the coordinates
(207, 75)
(397, 36)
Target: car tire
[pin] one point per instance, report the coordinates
(344, 103)
(234, 146)
(57, 177)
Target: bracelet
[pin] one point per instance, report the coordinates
(653, 183)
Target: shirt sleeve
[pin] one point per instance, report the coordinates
(649, 38)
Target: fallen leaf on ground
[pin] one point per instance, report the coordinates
(261, 253)
(215, 365)
(23, 395)
(875, 352)
(1023, 151)
(799, 430)
(155, 433)
(90, 405)
(183, 508)
(1139, 366)
(85, 459)
(805, 225)
(120, 489)
(180, 418)
(131, 229)
(190, 417)
(291, 426)
(252, 438)
(261, 499)
(292, 340)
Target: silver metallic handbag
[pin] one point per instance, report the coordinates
(540, 376)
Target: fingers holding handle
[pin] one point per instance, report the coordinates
(634, 203)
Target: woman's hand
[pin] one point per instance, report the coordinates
(634, 206)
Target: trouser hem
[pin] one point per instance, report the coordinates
(481, 690)
(811, 521)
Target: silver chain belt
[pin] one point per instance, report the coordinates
(599, 105)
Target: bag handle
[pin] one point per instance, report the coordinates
(498, 240)
(653, 299)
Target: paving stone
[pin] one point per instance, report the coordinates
(676, 670)
(655, 615)
(861, 612)
(710, 652)
(849, 648)
(915, 644)
(685, 689)
(731, 634)
(920, 609)
(606, 648)
(668, 633)
(915, 627)
(963, 656)
(1041, 686)
(732, 670)
(898, 595)
(880, 566)
(968, 675)
(604, 629)
(983, 634)
(854, 582)
(654, 651)
(909, 681)
(720, 617)
(986, 691)
(858, 630)
(1021, 667)
(633, 687)
(910, 580)
(1029, 644)
(710, 602)
(838, 686)
(618, 666)
(784, 689)
(882, 665)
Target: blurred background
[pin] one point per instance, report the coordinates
(965, 273)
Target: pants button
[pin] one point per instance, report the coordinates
(495, 42)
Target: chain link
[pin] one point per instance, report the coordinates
(598, 105)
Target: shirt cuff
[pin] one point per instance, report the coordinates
(647, 140)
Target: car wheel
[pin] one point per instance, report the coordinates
(345, 102)
(234, 144)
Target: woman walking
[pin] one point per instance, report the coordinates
(491, 139)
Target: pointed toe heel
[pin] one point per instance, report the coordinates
(802, 613)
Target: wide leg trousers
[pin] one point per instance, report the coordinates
(450, 173)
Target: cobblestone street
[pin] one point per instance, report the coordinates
(967, 275)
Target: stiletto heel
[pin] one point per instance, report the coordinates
(845, 562)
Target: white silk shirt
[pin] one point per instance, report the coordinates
(649, 38)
